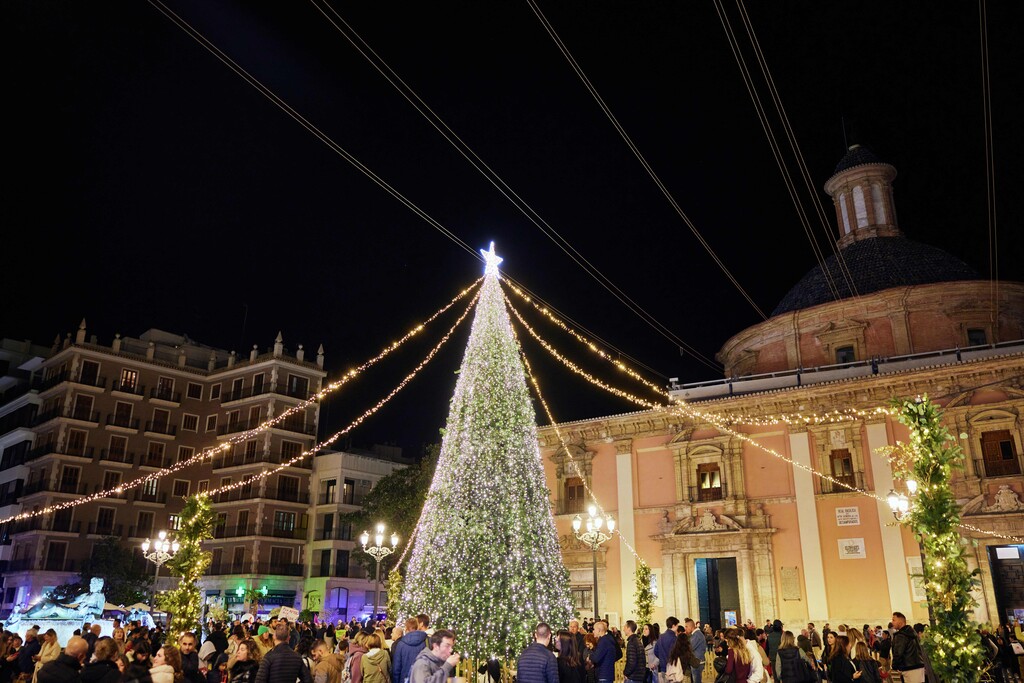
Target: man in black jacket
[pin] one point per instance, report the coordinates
(906, 651)
(65, 668)
(636, 657)
(282, 664)
(537, 664)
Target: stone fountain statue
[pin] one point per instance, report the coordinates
(85, 606)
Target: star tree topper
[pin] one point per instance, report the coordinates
(491, 261)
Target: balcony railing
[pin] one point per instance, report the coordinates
(280, 569)
(237, 426)
(703, 495)
(67, 526)
(342, 533)
(855, 480)
(105, 529)
(234, 530)
(262, 389)
(161, 428)
(143, 497)
(45, 416)
(253, 529)
(61, 565)
(287, 496)
(152, 460)
(133, 388)
(84, 415)
(123, 421)
(74, 488)
(165, 394)
(997, 468)
(232, 495)
(336, 498)
(54, 380)
(117, 456)
(89, 380)
(275, 532)
(123, 495)
(352, 571)
(237, 459)
(263, 569)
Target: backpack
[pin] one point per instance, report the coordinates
(346, 671)
(805, 673)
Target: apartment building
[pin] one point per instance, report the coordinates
(93, 416)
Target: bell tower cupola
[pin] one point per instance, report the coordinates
(861, 190)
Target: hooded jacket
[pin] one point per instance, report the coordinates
(404, 652)
(430, 669)
(376, 666)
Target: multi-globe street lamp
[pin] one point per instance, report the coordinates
(593, 537)
(164, 549)
(378, 552)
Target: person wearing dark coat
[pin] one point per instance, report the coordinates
(665, 643)
(636, 657)
(217, 637)
(103, 668)
(571, 667)
(405, 649)
(774, 637)
(605, 653)
(283, 664)
(30, 649)
(538, 664)
(65, 668)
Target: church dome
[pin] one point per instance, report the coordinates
(855, 156)
(876, 264)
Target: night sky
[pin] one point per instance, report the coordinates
(150, 186)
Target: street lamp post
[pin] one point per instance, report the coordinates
(900, 504)
(378, 552)
(163, 550)
(593, 537)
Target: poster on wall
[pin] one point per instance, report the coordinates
(656, 588)
(852, 549)
(916, 572)
(730, 617)
(848, 516)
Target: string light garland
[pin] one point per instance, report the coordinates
(486, 562)
(210, 452)
(719, 422)
(358, 421)
(801, 418)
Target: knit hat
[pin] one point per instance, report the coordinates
(261, 630)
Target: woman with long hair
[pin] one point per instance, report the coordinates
(570, 661)
(589, 642)
(166, 665)
(651, 634)
(47, 653)
(865, 667)
(244, 664)
(787, 666)
(738, 659)
(838, 665)
(681, 660)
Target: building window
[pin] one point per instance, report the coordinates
(288, 488)
(290, 450)
(185, 453)
(348, 492)
(181, 487)
(341, 559)
(211, 423)
(56, 551)
(195, 391)
(215, 392)
(204, 485)
(129, 380)
(582, 598)
(325, 562)
(165, 388)
(999, 453)
(250, 450)
(69, 477)
(238, 559)
(105, 521)
(111, 480)
(976, 336)
(336, 598)
(575, 495)
(118, 446)
(90, 373)
(145, 526)
(298, 386)
(280, 557)
(709, 482)
(161, 418)
(76, 441)
(150, 487)
(284, 521)
(83, 407)
(190, 423)
(155, 454)
(257, 383)
(236, 388)
(845, 354)
(123, 414)
(330, 490)
(174, 522)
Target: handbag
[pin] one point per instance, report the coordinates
(724, 677)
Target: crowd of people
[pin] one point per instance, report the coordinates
(277, 651)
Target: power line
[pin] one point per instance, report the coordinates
(990, 173)
(467, 152)
(636, 152)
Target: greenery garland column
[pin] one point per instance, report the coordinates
(643, 595)
(953, 643)
(185, 603)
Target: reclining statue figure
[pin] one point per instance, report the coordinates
(85, 606)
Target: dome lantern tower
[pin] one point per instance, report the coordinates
(861, 190)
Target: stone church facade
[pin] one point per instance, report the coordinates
(732, 530)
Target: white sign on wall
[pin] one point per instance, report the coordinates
(852, 549)
(916, 572)
(849, 516)
(656, 587)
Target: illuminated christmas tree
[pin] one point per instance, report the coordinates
(486, 561)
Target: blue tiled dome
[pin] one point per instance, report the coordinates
(877, 264)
